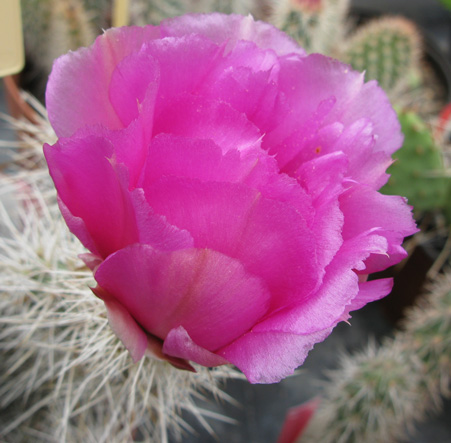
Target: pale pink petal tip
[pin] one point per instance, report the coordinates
(178, 343)
(124, 326)
(155, 350)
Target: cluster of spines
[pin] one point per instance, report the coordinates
(317, 25)
(386, 49)
(379, 394)
(152, 12)
(52, 28)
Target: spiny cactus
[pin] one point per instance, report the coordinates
(99, 13)
(377, 395)
(51, 28)
(318, 25)
(427, 331)
(418, 171)
(387, 49)
(153, 11)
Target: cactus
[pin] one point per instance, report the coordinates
(318, 25)
(446, 3)
(427, 331)
(418, 171)
(387, 49)
(152, 11)
(378, 394)
(51, 28)
(99, 12)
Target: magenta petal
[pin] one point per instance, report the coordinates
(265, 235)
(85, 75)
(78, 227)
(231, 28)
(252, 93)
(339, 288)
(125, 327)
(267, 357)
(371, 291)
(366, 209)
(173, 156)
(154, 230)
(85, 167)
(322, 179)
(366, 165)
(201, 118)
(308, 81)
(178, 343)
(133, 87)
(130, 145)
(199, 289)
(90, 260)
(184, 64)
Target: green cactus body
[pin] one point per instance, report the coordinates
(153, 11)
(378, 394)
(99, 13)
(387, 49)
(52, 28)
(418, 171)
(428, 331)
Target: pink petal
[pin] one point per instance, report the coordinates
(322, 178)
(154, 230)
(203, 160)
(199, 289)
(339, 288)
(78, 88)
(155, 350)
(90, 260)
(78, 227)
(129, 144)
(297, 420)
(133, 87)
(109, 216)
(267, 357)
(124, 326)
(178, 343)
(265, 235)
(202, 118)
(184, 63)
(308, 81)
(371, 291)
(365, 165)
(365, 209)
(231, 28)
(85, 167)
(247, 89)
(280, 343)
(306, 142)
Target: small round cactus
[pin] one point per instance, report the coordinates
(52, 28)
(318, 25)
(386, 49)
(145, 12)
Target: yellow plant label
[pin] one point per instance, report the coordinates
(120, 13)
(11, 39)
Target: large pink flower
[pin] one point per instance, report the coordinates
(225, 184)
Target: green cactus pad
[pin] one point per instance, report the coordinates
(418, 171)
